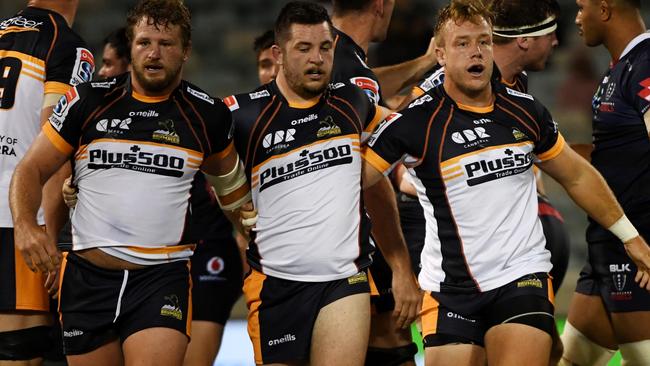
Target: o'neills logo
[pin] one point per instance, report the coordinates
(285, 339)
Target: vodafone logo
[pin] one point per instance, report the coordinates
(215, 265)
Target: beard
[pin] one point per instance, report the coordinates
(307, 90)
(156, 85)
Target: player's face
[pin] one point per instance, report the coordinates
(588, 22)
(381, 29)
(307, 58)
(157, 56)
(541, 49)
(112, 65)
(467, 55)
(267, 67)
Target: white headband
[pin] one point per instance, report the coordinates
(547, 26)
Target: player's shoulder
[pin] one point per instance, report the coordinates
(200, 99)
(254, 100)
(433, 79)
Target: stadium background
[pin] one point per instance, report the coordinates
(223, 63)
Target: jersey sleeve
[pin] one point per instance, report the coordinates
(550, 142)
(638, 86)
(220, 129)
(70, 63)
(64, 125)
(388, 143)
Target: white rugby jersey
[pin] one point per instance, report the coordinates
(472, 169)
(39, 54)
(304, 164)
(135, 158)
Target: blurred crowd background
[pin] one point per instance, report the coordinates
(223, 62)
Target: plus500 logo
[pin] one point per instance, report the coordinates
(140, 158)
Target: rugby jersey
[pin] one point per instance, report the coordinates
(39, 54)
(304, 165)
(436, 76)
(472, 169)
(621, 146)
(135, 158)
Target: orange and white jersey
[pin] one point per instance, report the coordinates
(39, 54)
(135, 158)
(472, 169)
(304, 164)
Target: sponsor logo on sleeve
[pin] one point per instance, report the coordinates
(645, 92)
(421, 100)
(259, 94)
(369, 86)
(62, 107)
(84, 66)
(200, 95)
(232, 103)
(382, 126)
(519, 94)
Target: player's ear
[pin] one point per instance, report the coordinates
(605, 10)
(378, 6)
(523, 43)
(277, 54)
(187, 51)
(440, 51)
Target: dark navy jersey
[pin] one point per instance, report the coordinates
(472, 170)
(304, 165)
(135, 159)
(621, 146)
(350, 67)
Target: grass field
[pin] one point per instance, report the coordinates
(615, 361)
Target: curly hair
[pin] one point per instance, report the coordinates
(460, 11)
(161, 13)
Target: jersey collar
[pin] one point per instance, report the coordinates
(633, 43)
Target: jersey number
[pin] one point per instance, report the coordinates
(9, 72)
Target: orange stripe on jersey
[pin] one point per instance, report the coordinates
(486, 109)
(375, 160)
(235, 195)
(417, 92)
(38, 71)
(81, 157)
(509, 85)
(131, 142)
(23, 57)
(148, 99)
(353, 136)
(194, 161)
(17, 30)
(429, 314)
(458, 158)
(305, 104)
(32, 75)
(375, 120)
(163, 250)
(54, 38)
(554, 151)
(451, 170)
(55, 87)
(56, 139)
(225, 152)
(253, 285)
(452, 177)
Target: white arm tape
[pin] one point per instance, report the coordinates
(228, 183)
(624, 229)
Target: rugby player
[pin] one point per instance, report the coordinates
(300, 142)
(40, 57)
(484, 263)
(116, 59)
(267, 66)
(138, 142)
(608, 310)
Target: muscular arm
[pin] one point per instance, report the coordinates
(379, 200)
(394, 78)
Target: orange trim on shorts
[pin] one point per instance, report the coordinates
(429, 314)
(30, 292)
(373, 286)
(58, 291)
(188, 324)
(551, 295)
(162, 250)
(253, 285)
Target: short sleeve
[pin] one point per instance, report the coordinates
(220, 129)
(387, 144)
(65, 123)
(550, 142)
(70, 64)
(638, 86)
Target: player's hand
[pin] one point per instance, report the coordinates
(69, 192)
(248, 217)
(639, 251)
(408, 298)
(52, 284)
(431, 51)
(37, 248)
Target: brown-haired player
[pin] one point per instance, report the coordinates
(138, 141)
(484, 263)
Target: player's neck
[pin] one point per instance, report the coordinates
(66, 8)
(482, 99)
(142, 91)
(622, 33)
(508, 62)
(293, 98)
(356, 26)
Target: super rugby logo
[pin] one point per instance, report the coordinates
(306, 162)
(136, 160)
(62, 107)
(382, 127)
(487, 170)
(369, 86)
(84, 67)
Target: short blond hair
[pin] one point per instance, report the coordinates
(460, 11)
